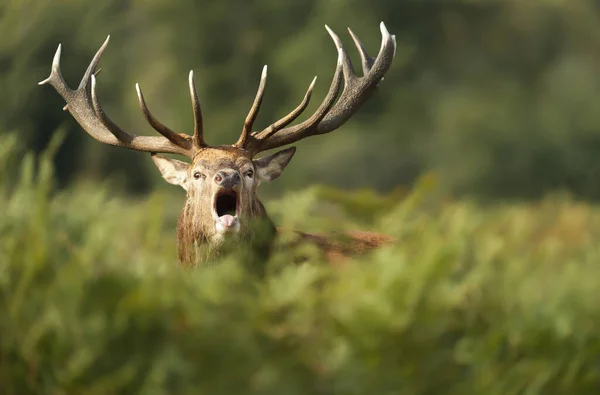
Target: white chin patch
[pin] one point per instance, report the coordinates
(227, 224)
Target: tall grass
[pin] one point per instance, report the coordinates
(471, 300)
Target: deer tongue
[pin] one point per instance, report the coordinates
(227, 220)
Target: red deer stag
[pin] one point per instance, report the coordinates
(221, 181)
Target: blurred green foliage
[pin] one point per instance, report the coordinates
(499, 98)
(471, 300)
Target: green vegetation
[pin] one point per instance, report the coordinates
(472, 300)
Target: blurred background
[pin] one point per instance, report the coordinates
(500, 99)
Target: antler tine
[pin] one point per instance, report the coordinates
(91, 69)
(253, 113)
(346, 62)
(84, 106)
(56, 79)
(357, 90)
(175, 138)
(198, 138)
(386, 55)
(291, 117)
(113, 128)
(366, 60)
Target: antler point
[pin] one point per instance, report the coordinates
(56, 60)
(331, 33)
(384, 31)
(312, 84)
(104, 44)
(334, 37)
(264, 71)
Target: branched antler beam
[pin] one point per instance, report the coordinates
(346, 95)
(331, 114)
(84, 106)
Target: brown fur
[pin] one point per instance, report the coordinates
(350, 243)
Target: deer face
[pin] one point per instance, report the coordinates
(221, 187)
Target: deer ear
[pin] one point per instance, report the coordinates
(270, 167)
(172, 170)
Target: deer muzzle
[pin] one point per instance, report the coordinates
(228, 180)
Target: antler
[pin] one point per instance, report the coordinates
(84, 106)
(331, 114)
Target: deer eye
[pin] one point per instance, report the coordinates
(249, 173)
(198, 175)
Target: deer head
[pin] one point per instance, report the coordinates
(221, 181)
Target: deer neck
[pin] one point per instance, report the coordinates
(198, 244)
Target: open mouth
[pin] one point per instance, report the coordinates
(226, 210)
(226, 203)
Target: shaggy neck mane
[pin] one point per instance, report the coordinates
(197, 240)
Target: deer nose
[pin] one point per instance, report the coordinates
(227, 179)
